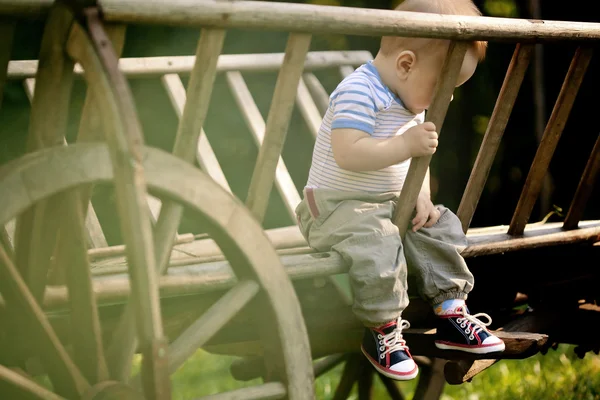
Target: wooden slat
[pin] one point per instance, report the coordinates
(436, 114)
(88, 351)
(344, 20)
(317, 91)
(36, 229)
(125, 138)
(346, 70)
(205, 155)
(26, 387)
(65, 376)
(277, 124)
(210, 323)
(493, 135)
(552, 134)
(267, 391)
(7, 30)
(256, 124)
(7, 241)
(190, 126)
(136, 67)
(584, 189)
(94, 232)
(308, 108)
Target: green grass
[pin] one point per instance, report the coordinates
(557, 375)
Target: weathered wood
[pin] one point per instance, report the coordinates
(431, 381)
(137, 67)
(267, 391)
(436, 114)
(365, 380)
(26, 387)
(119, 250)
(65, 376)
(36, 229)
(308, 108)
(277, 124)
(124, 136)
(350, 375)
(186, 141)
(554, 128)
(392, 387)
(205, 155)
(210, 323)
(88, 351)
(493, 135)
(584, 189)
(255, 122)
(344, 20)
(328, 363)
(7, 241)
(317, 91)
(7, 30)
(346, 70)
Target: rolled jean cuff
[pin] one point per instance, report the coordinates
(448, 296)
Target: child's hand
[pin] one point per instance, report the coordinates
(427, 213)
(422, 139)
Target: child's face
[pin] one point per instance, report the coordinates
(420, 83)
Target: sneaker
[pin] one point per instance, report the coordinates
(461, 331)
(386, 350)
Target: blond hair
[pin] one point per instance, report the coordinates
(392, 44)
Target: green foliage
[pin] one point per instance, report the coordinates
(557, 375)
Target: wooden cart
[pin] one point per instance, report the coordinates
(77, 310)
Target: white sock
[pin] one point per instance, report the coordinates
(448, 306)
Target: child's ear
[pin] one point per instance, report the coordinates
(405, 62)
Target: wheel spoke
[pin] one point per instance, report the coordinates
(328, 363)
(349, 377)
(88, 349)
(365, 380)
(197, 98)
(63, 373)
(268, 391)
(391, 387)
(26, 387)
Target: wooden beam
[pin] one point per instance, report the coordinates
(255, 122)
(436, 114)
(204, 155)
(344, 20)
(493, 135)
(26, 387)
(139, 67)
(584, 189)
(317, 91)
(554, 128)
(277, 124)
(308, 108)
(7, 30)
(266, 391)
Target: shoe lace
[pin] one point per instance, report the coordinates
(393, 341)
(472, 323)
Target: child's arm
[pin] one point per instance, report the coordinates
(427, 213)
(356, 150)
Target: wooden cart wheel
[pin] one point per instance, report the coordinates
(46, 195)
(38, 176)
(357, 370)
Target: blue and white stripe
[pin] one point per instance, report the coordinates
(363, 102)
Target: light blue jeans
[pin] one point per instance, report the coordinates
(358, 225)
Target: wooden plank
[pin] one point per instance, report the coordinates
(7, 30)
(554, 128)
(125, 138)
(256, 124)
(26, 387)
(436, 114)
(36, 228)
(493, 135)
(277, 124)
(204, 155)
(308, 108)
(210, 323)
(138, 67)
(266, 391)
(584, 189)
(317, 91)
(95, 235)
(190, 126)
(346, 70)
(344, 20)
(65, 376)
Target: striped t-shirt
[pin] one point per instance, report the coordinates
(361, 101)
